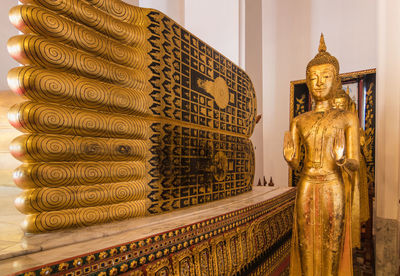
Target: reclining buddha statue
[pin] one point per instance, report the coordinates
(127, 114)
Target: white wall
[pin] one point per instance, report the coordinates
(217, 23)
(173, 8)
(350, 29)
(286, 47)
(6, 31)
(291, 31)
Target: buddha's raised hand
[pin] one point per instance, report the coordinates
(288, 147)
(338, 148)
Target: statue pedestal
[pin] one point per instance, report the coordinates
(243, 233)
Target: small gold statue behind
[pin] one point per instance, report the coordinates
(358, 179)
(322, 219)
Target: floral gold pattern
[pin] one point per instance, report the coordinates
(78, 262)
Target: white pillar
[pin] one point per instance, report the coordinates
(286, 51)
(254, 67)
(388, 138)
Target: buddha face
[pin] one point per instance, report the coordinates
(322, 81)
(340, 103)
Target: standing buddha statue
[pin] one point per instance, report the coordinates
(321, 241)
(358, 179)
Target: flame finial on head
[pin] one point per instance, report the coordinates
(323, 57)
(322, 46)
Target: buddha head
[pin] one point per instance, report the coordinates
(323, 74)
(342, 101)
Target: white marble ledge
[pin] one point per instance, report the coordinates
(34, 250)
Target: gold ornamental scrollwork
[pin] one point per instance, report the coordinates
(220, 256)
(183, 263)
(203, 259)
(162, 267)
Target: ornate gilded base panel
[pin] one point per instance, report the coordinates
(223, 245)
(274, 262)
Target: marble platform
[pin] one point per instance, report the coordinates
(19, 252)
